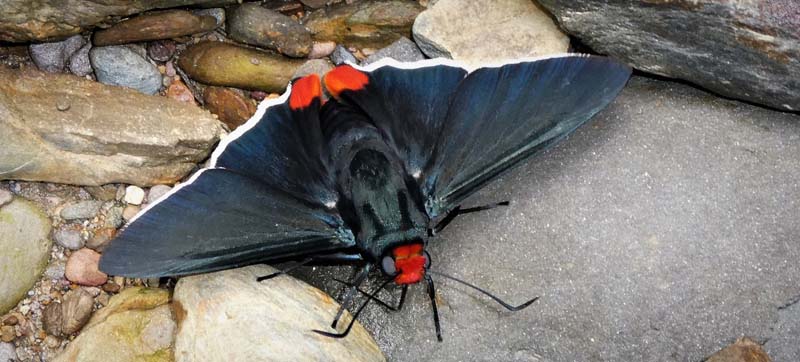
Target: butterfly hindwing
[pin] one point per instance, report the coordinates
(221, 219)
(501, 115)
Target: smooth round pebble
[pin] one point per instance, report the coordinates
(134, 195)
(82, 268)
(84, 209)
(129, 212)
(55, 271)
(7, 352)
(7, 333)
(156, 192)
(321, 49)
(68, 236)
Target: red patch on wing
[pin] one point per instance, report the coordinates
(409, 263)
(344, 77)
(304, 90)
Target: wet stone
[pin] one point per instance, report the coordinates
(154, 26)
(253, 24)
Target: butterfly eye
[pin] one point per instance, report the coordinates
(387, 264)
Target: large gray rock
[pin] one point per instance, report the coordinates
(747, 50)
(24, 250)
(228, 316)
(25, 20)
(477, 32)
(120, 65)
(61, 128)
(663, 230)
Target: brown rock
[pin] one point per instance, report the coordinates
(224, 64)
(124, 135)
(230, 105)
(161, 50)
(365, 24)
(743, 350)
(52, 319)
(76, 308)
(154, 26)
(111, 287)
(7, 333)
(10, 320)
(82, 268)
(100, 238)
(255, 25)
(129, 212)
(24, 20)
(178, 91)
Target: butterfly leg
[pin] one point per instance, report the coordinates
(459, 211)
(348, 296)
(284, 271)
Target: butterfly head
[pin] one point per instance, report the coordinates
(407, 263)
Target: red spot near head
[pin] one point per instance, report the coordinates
(409, 263)
(344, 77)
(304, 90)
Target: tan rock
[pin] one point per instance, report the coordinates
(743, 350)
(106, 134)
(82, 268)
(364, 24)
(225, 64)
(269, 321)
(155, 26)
(475, 33)
(230, 105)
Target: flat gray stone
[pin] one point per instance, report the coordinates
(121, 66)
(84, 209)
(663, 230)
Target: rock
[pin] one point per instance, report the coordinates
(24, 21)
(129, 212)
(79, 63)
(313, 66)
(7, 352)
(55, 271)
(24, 250)
(177, 90)
(229, 65)
(281, 313)
(743, 350)
(341, 55)
(474, 33)
(114, 217)
(100, 239)
(85, 209)
(316, 4)
(7, 334)
(321, 49)
(745, 50)
(230, 105)
(134, 195)
(52, 57)
(217, 13)
(253, 24)
(70, 315)
(82, 268)
(124, 135)
(119, 65)
(69, 236)
(157, 191)
(403, 50)
(154, 26)
(136, 325)
(103, 193)
(365, 24)
(5, 197)
(161, 50)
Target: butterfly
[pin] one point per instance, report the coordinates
(363, 167)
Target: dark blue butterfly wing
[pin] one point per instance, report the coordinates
(221, 219)
(502, 115)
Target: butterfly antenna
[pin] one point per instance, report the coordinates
(351, 291)
(490, 295)
(432, 295)
(376, 299)
(284, 271)
(402, 297)
(355, 316)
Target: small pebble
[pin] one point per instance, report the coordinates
(52, 57)
(178, 91)
(7, 333)
(103, 299)
(25, 309)
(82, 268)
(8, 352)
(403, 50)
(129, 212)
(156, 192)
(103, 193)
(69, 236)
(5, 197)
(100, 239)
(55, 271)
(114, 217)
(111, 287)
(85, 209)
(161, 50)
(341, 55)
(321, 49)
(258, 95)
(52, 341)
(134, 195)
(169, 69)
(63, 104)
(10, 320)
(79, 63)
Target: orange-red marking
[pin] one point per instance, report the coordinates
(344, 77)
(409, 263)
(304, 90)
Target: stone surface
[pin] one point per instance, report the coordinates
(403, 50)
(474, 32)
(53, 56)
(177, 90)
(155, 26)
(157, 191)
(7, 352)
(100, 238)
(84, 209)
(24, 21)
(122, 66)
(253, 24)
(229, 65)
(743, 350)
(261, 321)
(372, 24)
(662, 230)
(134, 195)
(24, 249)
(7, 334)
(137, 325)
(69, 237)
(230, 105)
(741, 49)
(341, 55)
(5, 197)
(314, 66)
(70, 315)
(321, 49)
(79, 63)
(130, 211)
(82, 268)
(124, 135)
(161, 50)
